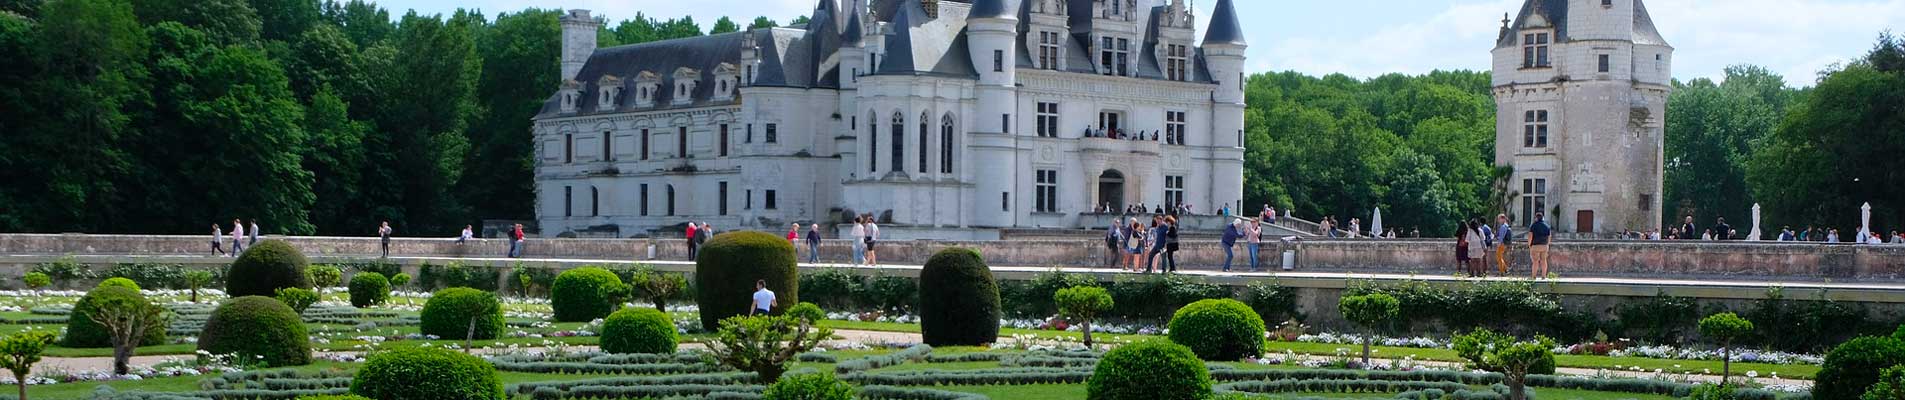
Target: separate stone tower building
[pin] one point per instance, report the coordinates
(1581, 96)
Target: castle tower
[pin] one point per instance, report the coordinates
(578, 41)
(1581, 91)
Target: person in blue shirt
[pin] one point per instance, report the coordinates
(1230, 242)
(1504, 236)
(1538, 235)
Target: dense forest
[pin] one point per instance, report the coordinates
(327, 117)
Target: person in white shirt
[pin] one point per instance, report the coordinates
(873, 238)
(764, 300)
(254, 233)
(466, 235)
(238, 237)
(859, 241)
(218, 234)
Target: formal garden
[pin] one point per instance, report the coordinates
(273, 326)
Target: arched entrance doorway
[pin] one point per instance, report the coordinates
(1111, 190)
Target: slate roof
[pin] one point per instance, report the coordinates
(994, 9)
(1555, 12)
(1224, 27)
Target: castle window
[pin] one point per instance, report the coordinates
(647, 86)
(568, 148)
(899, 143)
(1048, 120)
(1606, 63)
(998, 61)
(1534, 198)
(1607, 3)
(946, 144)
(924, 132)
(671, 200)
(1173, 190)
(722, 187)
(568, 201)
(1534, 129)
(1109, 122)
(1048, 50)
(1115, 56)
(644, 144)
(1177, 62)
(873, 143)
(1046, 190)
(1005, 123)
(608, 146)
(1174, 127)
(595, 202)
(1534, 50)
(685, 81)
(768, 200)
(681, 142)
(723, 151)
(773, 133)
(644, 200)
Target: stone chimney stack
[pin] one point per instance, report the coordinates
(578, 41)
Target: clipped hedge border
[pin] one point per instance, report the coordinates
(977, 377)
(916, 353)
(883, 392)
(1336, 386)
(739, 391)
(720, 378)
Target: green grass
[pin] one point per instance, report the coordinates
(1024, 392)
(1795, 371)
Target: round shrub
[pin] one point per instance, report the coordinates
(120, 282)
(82, 332)
(729, 264)
(257, 328)
(36, 280)
(324, 276)
(400, 279)
(958, 300)
(639, 330)
(265, 268)
(368, 289)
(815, 386)
(449, 312)
(807, 311)
(583, 294)
(424, 373)
(1218, 329)
(1149, 370)
(1854, 365)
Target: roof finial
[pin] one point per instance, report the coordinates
(1505, 20)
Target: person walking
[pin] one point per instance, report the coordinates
(793, 239)
(218, 234)
(1538, 236)
(1170, 246)
(1504, 237)
(873, 240)
(1229, 241)
(383, 234)
(1253, 240)
(517, 241)
(813, 244)
(690, 235)
(1157, 243)
(1114, 245)
(465, 236)
(1477, 243)
(703, 235)
(1686, 228)
(238, 237)
(764, 300)
(1722, 231)
(254, 233)
(859, 241)
(1488, 244)
(1133, 244)
(1461, 247)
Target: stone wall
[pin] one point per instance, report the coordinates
(1704, 260)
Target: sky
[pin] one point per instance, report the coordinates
(1796, 38)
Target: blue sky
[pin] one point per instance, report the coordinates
(1795, 38)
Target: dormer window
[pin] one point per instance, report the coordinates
(726, 80)
(570, 95)
(1534, 49)
(1050, 50)
(609, 93)
(1177, 62)
(646, 88)
(1114, 56)
(685, 80)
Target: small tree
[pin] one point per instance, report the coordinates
(324, 276)
(397, 281)
(1725, 327)
(763, 344)
(1517, 360)
(19, 352)
(1081, 304)
(126, 319)
(36, 280)
(1891, 385)
(1372, 311)
(298, 299)
(658, 287)
(197, 279)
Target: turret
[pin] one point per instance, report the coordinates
(1224, 47)
(992, 28)
(578, 41)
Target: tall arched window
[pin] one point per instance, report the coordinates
(924, 141)
(671, 200)
(946, 144)
(899, 142)
(873, 142)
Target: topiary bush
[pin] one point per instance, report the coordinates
(730, 263)
(1373, 311)
(368, 289)
(120, 282)
(1082, 304)
(816, 386)
(324, 276)
(423, 373)
(83, 332)
(809, 312)
(449, 313)
(1854, 365)
(639, 330)
(1149, 370)
(297, 299)
(36, 280)
(265, 268)
(1218, 329)
(958, 300)
(584, 294)
(399, 280)
(257, 328)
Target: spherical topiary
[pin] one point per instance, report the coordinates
(82, 332)
(450, 312)
(400, 279)
(264, 268)
(1218, 329)
(368, 289)
(807, 311)
(1149, 370)
(120, 282)
(425, 373)
(639, 330)
(36, 280)
(730, 263)
(958, 300)
(324, 276)
(817, 386)
(1854, 366)
(257, 328)
(583, 294)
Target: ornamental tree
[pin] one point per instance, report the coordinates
(126, 320)
(1517, 360)
(763, 344)
(1081, 304)
(1725, 327)
(1372, 311)
(197, 279)
(19, 352)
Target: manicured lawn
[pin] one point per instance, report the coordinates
(1025, 392)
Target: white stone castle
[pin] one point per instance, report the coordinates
(1581, 95)
(944, 119)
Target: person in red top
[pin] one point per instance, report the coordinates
(793, 233)
(516, 241)
(691, 241)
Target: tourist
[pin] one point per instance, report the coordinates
(466, 235)
(873, 241)
(1170, 246)
(1133, 244)
(1157, 243)
(703, 235)
(516, 241)
(690, 235)
(1896, 239)
(764, 300)
(1229, 240)
(1488, 243)
(254, 233)
(383, 234)
(793, 234)
(1862, 236)
(1253, 237)
(1355, 227)
(1504, 236)
(218, 233)
(1785, 234)
(1114, 245)
(859, 240)
(1875, 238)
(1461, 247)
(1415, 232)
(1686, 228)
(1722, 231)
(238, 237)
(1832, 236)
(1708, 235)
(1806, 235)
(813, 243)
(1538, 235)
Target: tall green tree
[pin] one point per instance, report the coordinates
(428, 100)
(362, 21)
(1835, 150)
(519, 70)
(724, 25)
(1711, 129)
(683, 27)
(762, 22)
(284, 20)
(223, 21)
